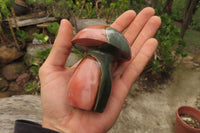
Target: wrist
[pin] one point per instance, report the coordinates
(54, 126)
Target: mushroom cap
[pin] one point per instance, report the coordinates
(105, 39)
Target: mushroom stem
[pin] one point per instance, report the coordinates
(105, 61)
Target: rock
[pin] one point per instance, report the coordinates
(12, 71)
(22, 79)
(4, 94)
(13, 86)
(20, 10)
(8, 55)
(3, 85)
(21, 3)
(82, 23)
(27, 107)
(32, 51)
(36, 42)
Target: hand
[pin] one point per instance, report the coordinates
(54, 76)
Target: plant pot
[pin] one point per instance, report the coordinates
(181, 126)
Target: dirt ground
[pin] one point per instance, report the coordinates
(154, 112)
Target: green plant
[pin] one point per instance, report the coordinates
(21, 35)
(31, 1)
(159, 7)
(45, 2)
(114, 9)
(177, 10)
(34, 69)
(33, 87)
(53, 28)
(41, 37)
(85, 8)
(170, 45)
(195, 24)
(5, 5)
(62, 8)
(137, 5)
(42, 55)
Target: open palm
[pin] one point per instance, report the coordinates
(54, 76)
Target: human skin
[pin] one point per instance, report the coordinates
(54, 76)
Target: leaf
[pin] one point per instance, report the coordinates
(9, 3)
(21, 35)
(43, 54)
(31, 86)
(41, 37)
(38, 36)
(184, 54)
(112, 5)
(33, 62)
(34, 69)
(39, 54)
(5, 10)
(156, 66)
(53, 28)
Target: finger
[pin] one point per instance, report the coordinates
(62, 45)
(123, 21)
(138, 64)
(147, 32)
(138, 23)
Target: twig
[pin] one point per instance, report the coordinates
(14, 17)
(17, 27)
(12, 32)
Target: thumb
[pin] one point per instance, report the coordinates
(62, 45)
